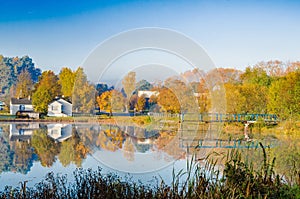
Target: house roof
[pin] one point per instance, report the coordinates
(21, 101)
(60, 100)
(55, 102)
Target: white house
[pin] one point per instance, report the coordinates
(60, 108)
(2, 105)
(148, 94)
(59, 132)
(20, 104)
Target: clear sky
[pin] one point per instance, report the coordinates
(235, 34)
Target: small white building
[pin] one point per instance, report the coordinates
(20, 104)
(60, 108)
(2, 105)
(148, 94)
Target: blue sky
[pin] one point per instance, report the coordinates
(234, 33)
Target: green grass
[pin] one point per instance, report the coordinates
(7, 117)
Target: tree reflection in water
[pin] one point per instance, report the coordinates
(18, 151)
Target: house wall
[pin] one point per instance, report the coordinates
(54, 109)
(14, 108)
(66, 107)
(61, 108)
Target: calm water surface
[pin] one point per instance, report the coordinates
(31, 150)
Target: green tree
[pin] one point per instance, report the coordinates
(46, 90)
(66, 80)
(5, 155)
(40, 100)
(5, 75)
(256, 76)
(83, 97)
(12, 67)
(24, 85)
(102, 87)
(143, 85)
(284, 96)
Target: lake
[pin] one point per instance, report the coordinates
(31, 150)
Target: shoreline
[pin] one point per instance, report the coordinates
(101, 121)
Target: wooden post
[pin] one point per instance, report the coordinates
(246, 131)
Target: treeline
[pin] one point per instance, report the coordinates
(267, 87)
(20, 78)
(70, 85)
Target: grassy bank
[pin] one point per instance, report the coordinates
(238, 179)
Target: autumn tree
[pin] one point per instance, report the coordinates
(102, 87)
(255, 98)
(141, 103)
(46, 90)
(83, 97)
(73, 151)
(45, 147)
(66, 80)
(234, 99)
(204, 102)
(168, 101)
(184, 94)
(24, 85)
(110, 139)
(110, 101)
(129, 83)
(202, 95)
(274, 68)
(223, 75)
(133, 101)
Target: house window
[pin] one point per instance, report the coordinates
(21, 108)
(21, 132)
(54, 108)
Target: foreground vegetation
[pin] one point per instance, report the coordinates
(238, 179)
